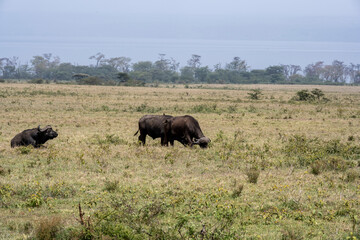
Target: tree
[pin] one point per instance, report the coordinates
(237, 65)
(290, 70)
(142, 71)
(78, 76)
(194, 61)
(276, 73)
(314, 71)
(187, 74)
(98, 58)
(202, 74)
(123, 77)
(45, 65)
(122, 64)
(142, 66)
(353, 71)
(338, 73)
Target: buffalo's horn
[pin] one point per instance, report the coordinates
(203, 140)
(44, 129)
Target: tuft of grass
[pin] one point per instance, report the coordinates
(237, 190)
(252, 174)
(24, 149)
(291, 234)
(111, 186)
(352, 175)
(48, 228)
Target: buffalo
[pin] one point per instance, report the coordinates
(34, 136)
(186, 130)
(153, 126)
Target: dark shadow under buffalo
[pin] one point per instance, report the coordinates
(186, 130)
(153, 125)
(34, 136)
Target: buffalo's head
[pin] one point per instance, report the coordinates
(203, 142)
(47, 132)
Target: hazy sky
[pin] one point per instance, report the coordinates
(214, 29)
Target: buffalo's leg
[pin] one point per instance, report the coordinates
(142, 138)
(189, 141)
(164, 141)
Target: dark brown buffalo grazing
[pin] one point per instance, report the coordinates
(153, 126)
(34, 136)
(186, 130)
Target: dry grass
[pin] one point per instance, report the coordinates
(96, 159)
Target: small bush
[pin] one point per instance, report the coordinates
(315, 95)
(35, 200)
(90, 81)
(255, 94)
(37, 81)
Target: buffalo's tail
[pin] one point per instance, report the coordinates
(136, 132)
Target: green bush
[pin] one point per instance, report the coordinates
(255, 94)
(315, 95)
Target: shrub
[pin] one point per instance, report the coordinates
(90, 81)
(37, 81)
(255, 94)
(315, 94)
(304, 95)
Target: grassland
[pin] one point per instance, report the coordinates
(276, 168)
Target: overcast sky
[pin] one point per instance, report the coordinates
(76, 29)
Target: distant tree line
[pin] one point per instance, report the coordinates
(120, 70)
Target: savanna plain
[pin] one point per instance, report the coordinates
(276, 167)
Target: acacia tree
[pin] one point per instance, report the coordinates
(98, 58)
(194, 62)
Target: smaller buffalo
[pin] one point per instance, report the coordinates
(186, 130)
(153, 126)
(34, 136)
